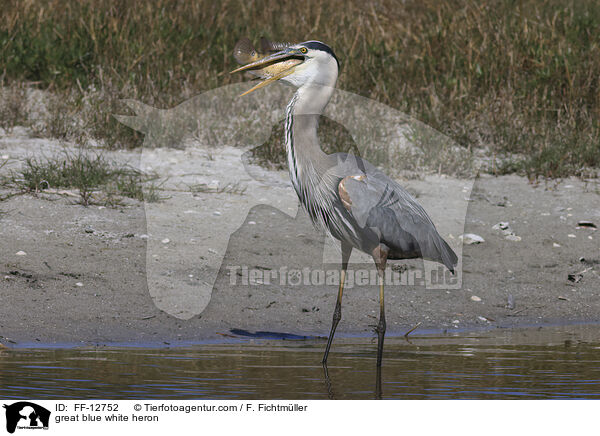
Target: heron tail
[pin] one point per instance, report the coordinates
(447, 256)
(438, 250)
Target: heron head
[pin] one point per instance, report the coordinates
(310, 62)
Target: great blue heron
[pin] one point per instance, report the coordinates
(343, 194)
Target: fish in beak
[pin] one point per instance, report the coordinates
(245, 53)
(268, 67)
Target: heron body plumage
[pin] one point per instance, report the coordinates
(350, 198)
(345, 195)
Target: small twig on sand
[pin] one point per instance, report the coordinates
(412, 329)
(523, 309)
(227, 335)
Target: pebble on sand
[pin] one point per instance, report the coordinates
(21, 253)
(475, 298)
(79, 284)
(513, 237)
(166, 241)
(471, 238)
(555, 245)
(508, 233)
(502, 225)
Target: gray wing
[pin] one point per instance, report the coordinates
(377, 202)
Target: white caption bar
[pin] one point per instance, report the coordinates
(158, 417)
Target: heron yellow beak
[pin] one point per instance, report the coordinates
(271, 68)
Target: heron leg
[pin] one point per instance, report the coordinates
(378, 391)
(337, 313)
(381, 325)
(380, 256)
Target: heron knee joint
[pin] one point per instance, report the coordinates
(337, 313)
(381, 326)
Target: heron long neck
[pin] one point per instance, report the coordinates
(307, 162)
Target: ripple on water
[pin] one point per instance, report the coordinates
(469, 366)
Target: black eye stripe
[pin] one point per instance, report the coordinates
(317, 45)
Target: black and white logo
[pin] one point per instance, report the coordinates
(26, 415)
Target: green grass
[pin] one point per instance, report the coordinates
(96, 180)
(519, 77)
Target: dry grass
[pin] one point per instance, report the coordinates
(519, 78)
(13, 111)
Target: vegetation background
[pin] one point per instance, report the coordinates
(517, 80)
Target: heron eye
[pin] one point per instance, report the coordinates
(303, 50)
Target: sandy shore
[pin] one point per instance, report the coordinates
(102, 275)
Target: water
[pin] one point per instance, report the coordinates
(499, 365)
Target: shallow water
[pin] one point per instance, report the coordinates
(534, 364)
